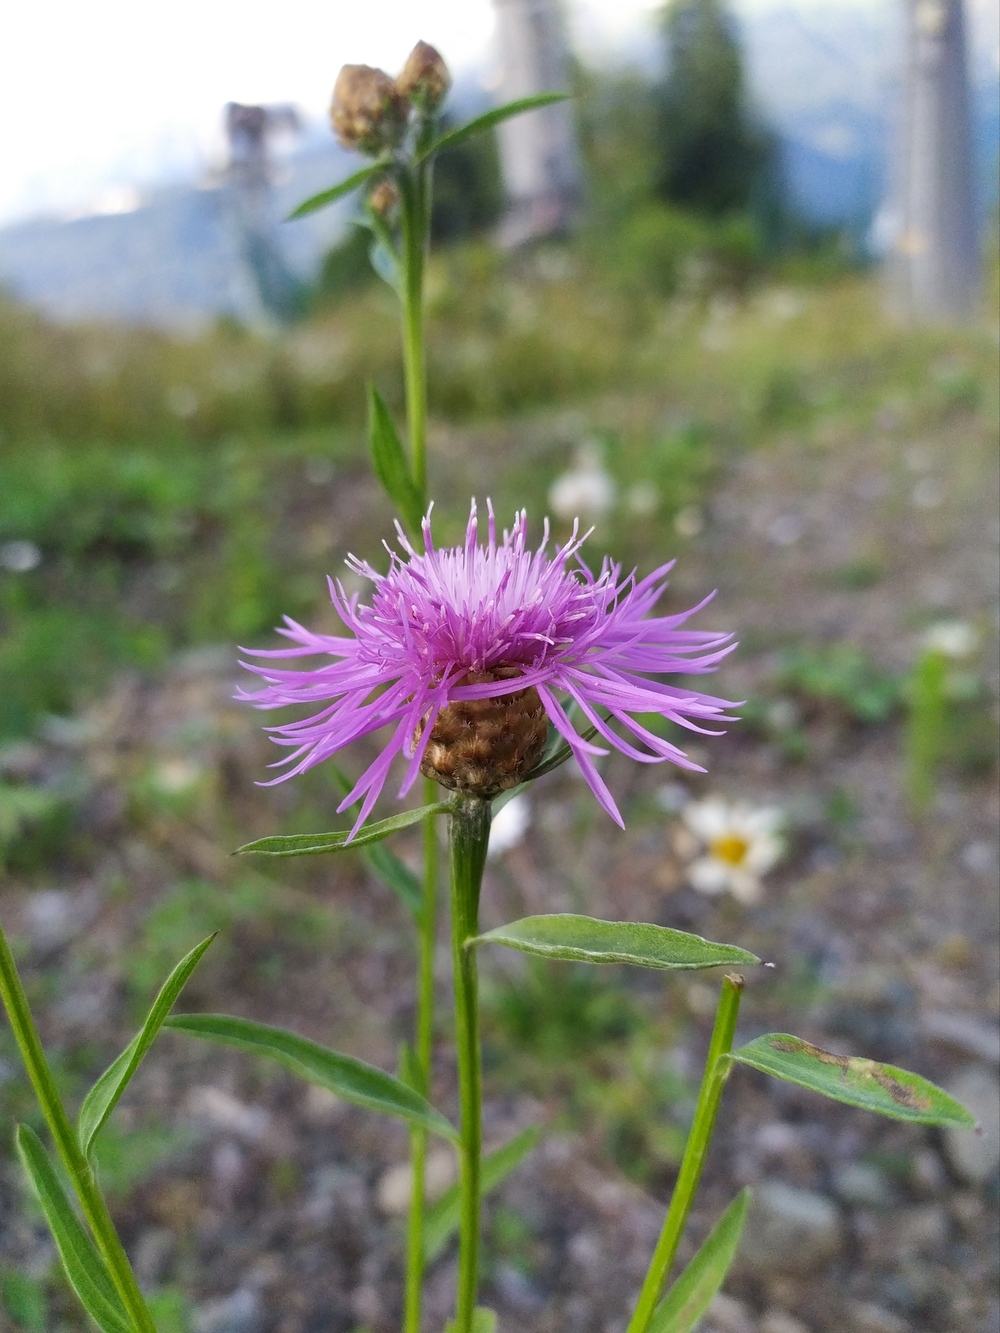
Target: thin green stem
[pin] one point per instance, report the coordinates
(414, 185)
(414, 199)
(67, 1144)
(424, 1050)
(717, 1066)
(470, 835)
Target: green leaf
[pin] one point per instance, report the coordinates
(488, 120)
(351, 1079)
(391, 464)
(396, 876)
(866, 1083)
(313, 844)
(690, 1296)
(84, 1266)
(23, 1298)
(483, 1321)
(102, 1098)
(384, 863)
(582, 939)
(442, 1218)
(327, 197)
(409, 1069)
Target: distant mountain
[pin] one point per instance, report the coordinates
(176, 258)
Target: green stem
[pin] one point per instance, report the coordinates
(415, 184)
(470, 835)
(717, 1066)
(414, 199)
(424, 1048)
(67, 1144)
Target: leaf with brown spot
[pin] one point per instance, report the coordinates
(852, 1079)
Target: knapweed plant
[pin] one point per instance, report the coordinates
(482, 667)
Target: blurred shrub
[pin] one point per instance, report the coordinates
(841, 677)
(34, 822)
(346, 268)
(714, 157)
(468, 188)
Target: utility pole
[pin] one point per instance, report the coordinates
(538, 152)
(250, 131)
(935, 262)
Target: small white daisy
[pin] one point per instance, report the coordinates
(742, 843)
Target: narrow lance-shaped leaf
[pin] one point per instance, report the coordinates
(582, 939)
(327, 197)
(313, 844)
(692, 1293)
(396, 876)
(384, 863)
(442, 1219)
(102, 1098)
(488, 119)
(858, 1082)
(349, 1078)
(390, 462)
(81, 1260)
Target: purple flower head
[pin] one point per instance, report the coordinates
(522, 618)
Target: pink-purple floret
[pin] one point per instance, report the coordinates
(436, 615)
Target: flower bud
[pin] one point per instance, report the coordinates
(425, 79)
(486, 746)
(368, 114)
(384, 198)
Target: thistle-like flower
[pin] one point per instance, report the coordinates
(471, 653)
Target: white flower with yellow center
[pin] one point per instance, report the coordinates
(742, 843)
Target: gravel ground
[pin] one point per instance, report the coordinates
(271, 1204)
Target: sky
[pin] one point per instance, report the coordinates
(113, 93)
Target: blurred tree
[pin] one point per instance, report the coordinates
(715, 158)
(468, 188)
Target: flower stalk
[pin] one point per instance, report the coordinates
(415, 1263)
(717, 1067)
(79, 1170)
(470, 835)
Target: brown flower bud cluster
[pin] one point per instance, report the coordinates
(370, 109)
(367, 114)
(425, 79)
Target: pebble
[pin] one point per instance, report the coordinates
(921, 1230)
(153, 1254)
(975, 1155)
(334, 1191)
(55, 916)
(237, 1313)
(728, 1315)
(963, 1033)
(867, 1317)
(777, 1321)
(519, 1293)
(223, 1111)
(790, 1229)
(395, 1186)
(862, 1185)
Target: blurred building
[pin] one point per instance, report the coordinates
(538, 151)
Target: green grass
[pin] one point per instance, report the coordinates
(163, 480)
